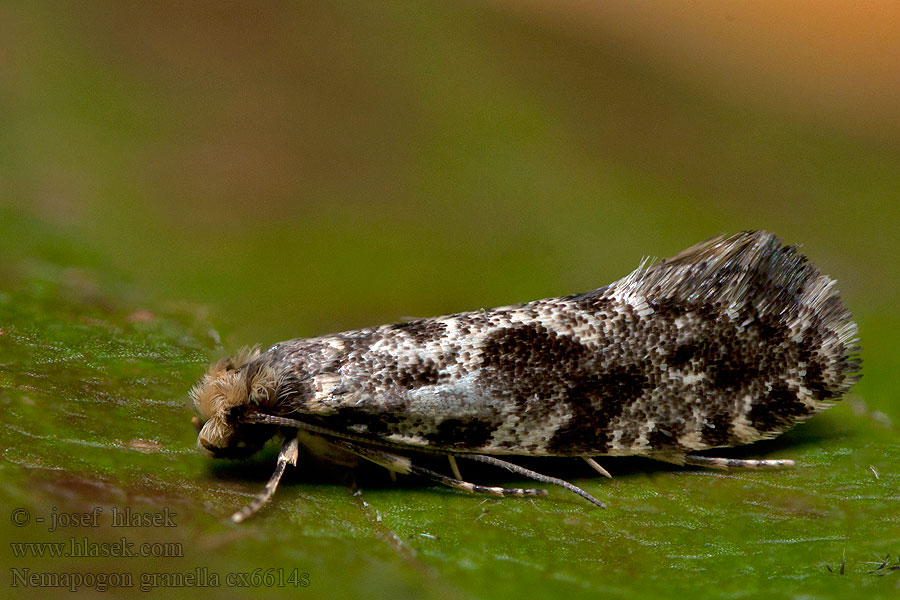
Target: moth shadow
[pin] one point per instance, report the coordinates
(808, 435)
(313, 470)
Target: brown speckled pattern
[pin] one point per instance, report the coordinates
(731, 341)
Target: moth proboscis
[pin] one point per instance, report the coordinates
(731, 341)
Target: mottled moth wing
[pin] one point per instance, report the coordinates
(731, 341)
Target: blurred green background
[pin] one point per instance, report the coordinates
(178, 180)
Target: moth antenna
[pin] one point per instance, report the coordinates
(287, 454)
(296, 424)
(491, 460)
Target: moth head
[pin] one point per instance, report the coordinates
(230, 389)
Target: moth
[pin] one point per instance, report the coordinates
(731, 341)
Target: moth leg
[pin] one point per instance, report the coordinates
(596, 466)
(287, 454)
(454, 467)
(401, 464)
(492, 460)
(735, 463)
(475, 488)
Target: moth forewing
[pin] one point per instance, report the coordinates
(731, 341)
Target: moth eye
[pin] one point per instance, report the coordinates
(198, 425)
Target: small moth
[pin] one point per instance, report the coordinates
(731, 341)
